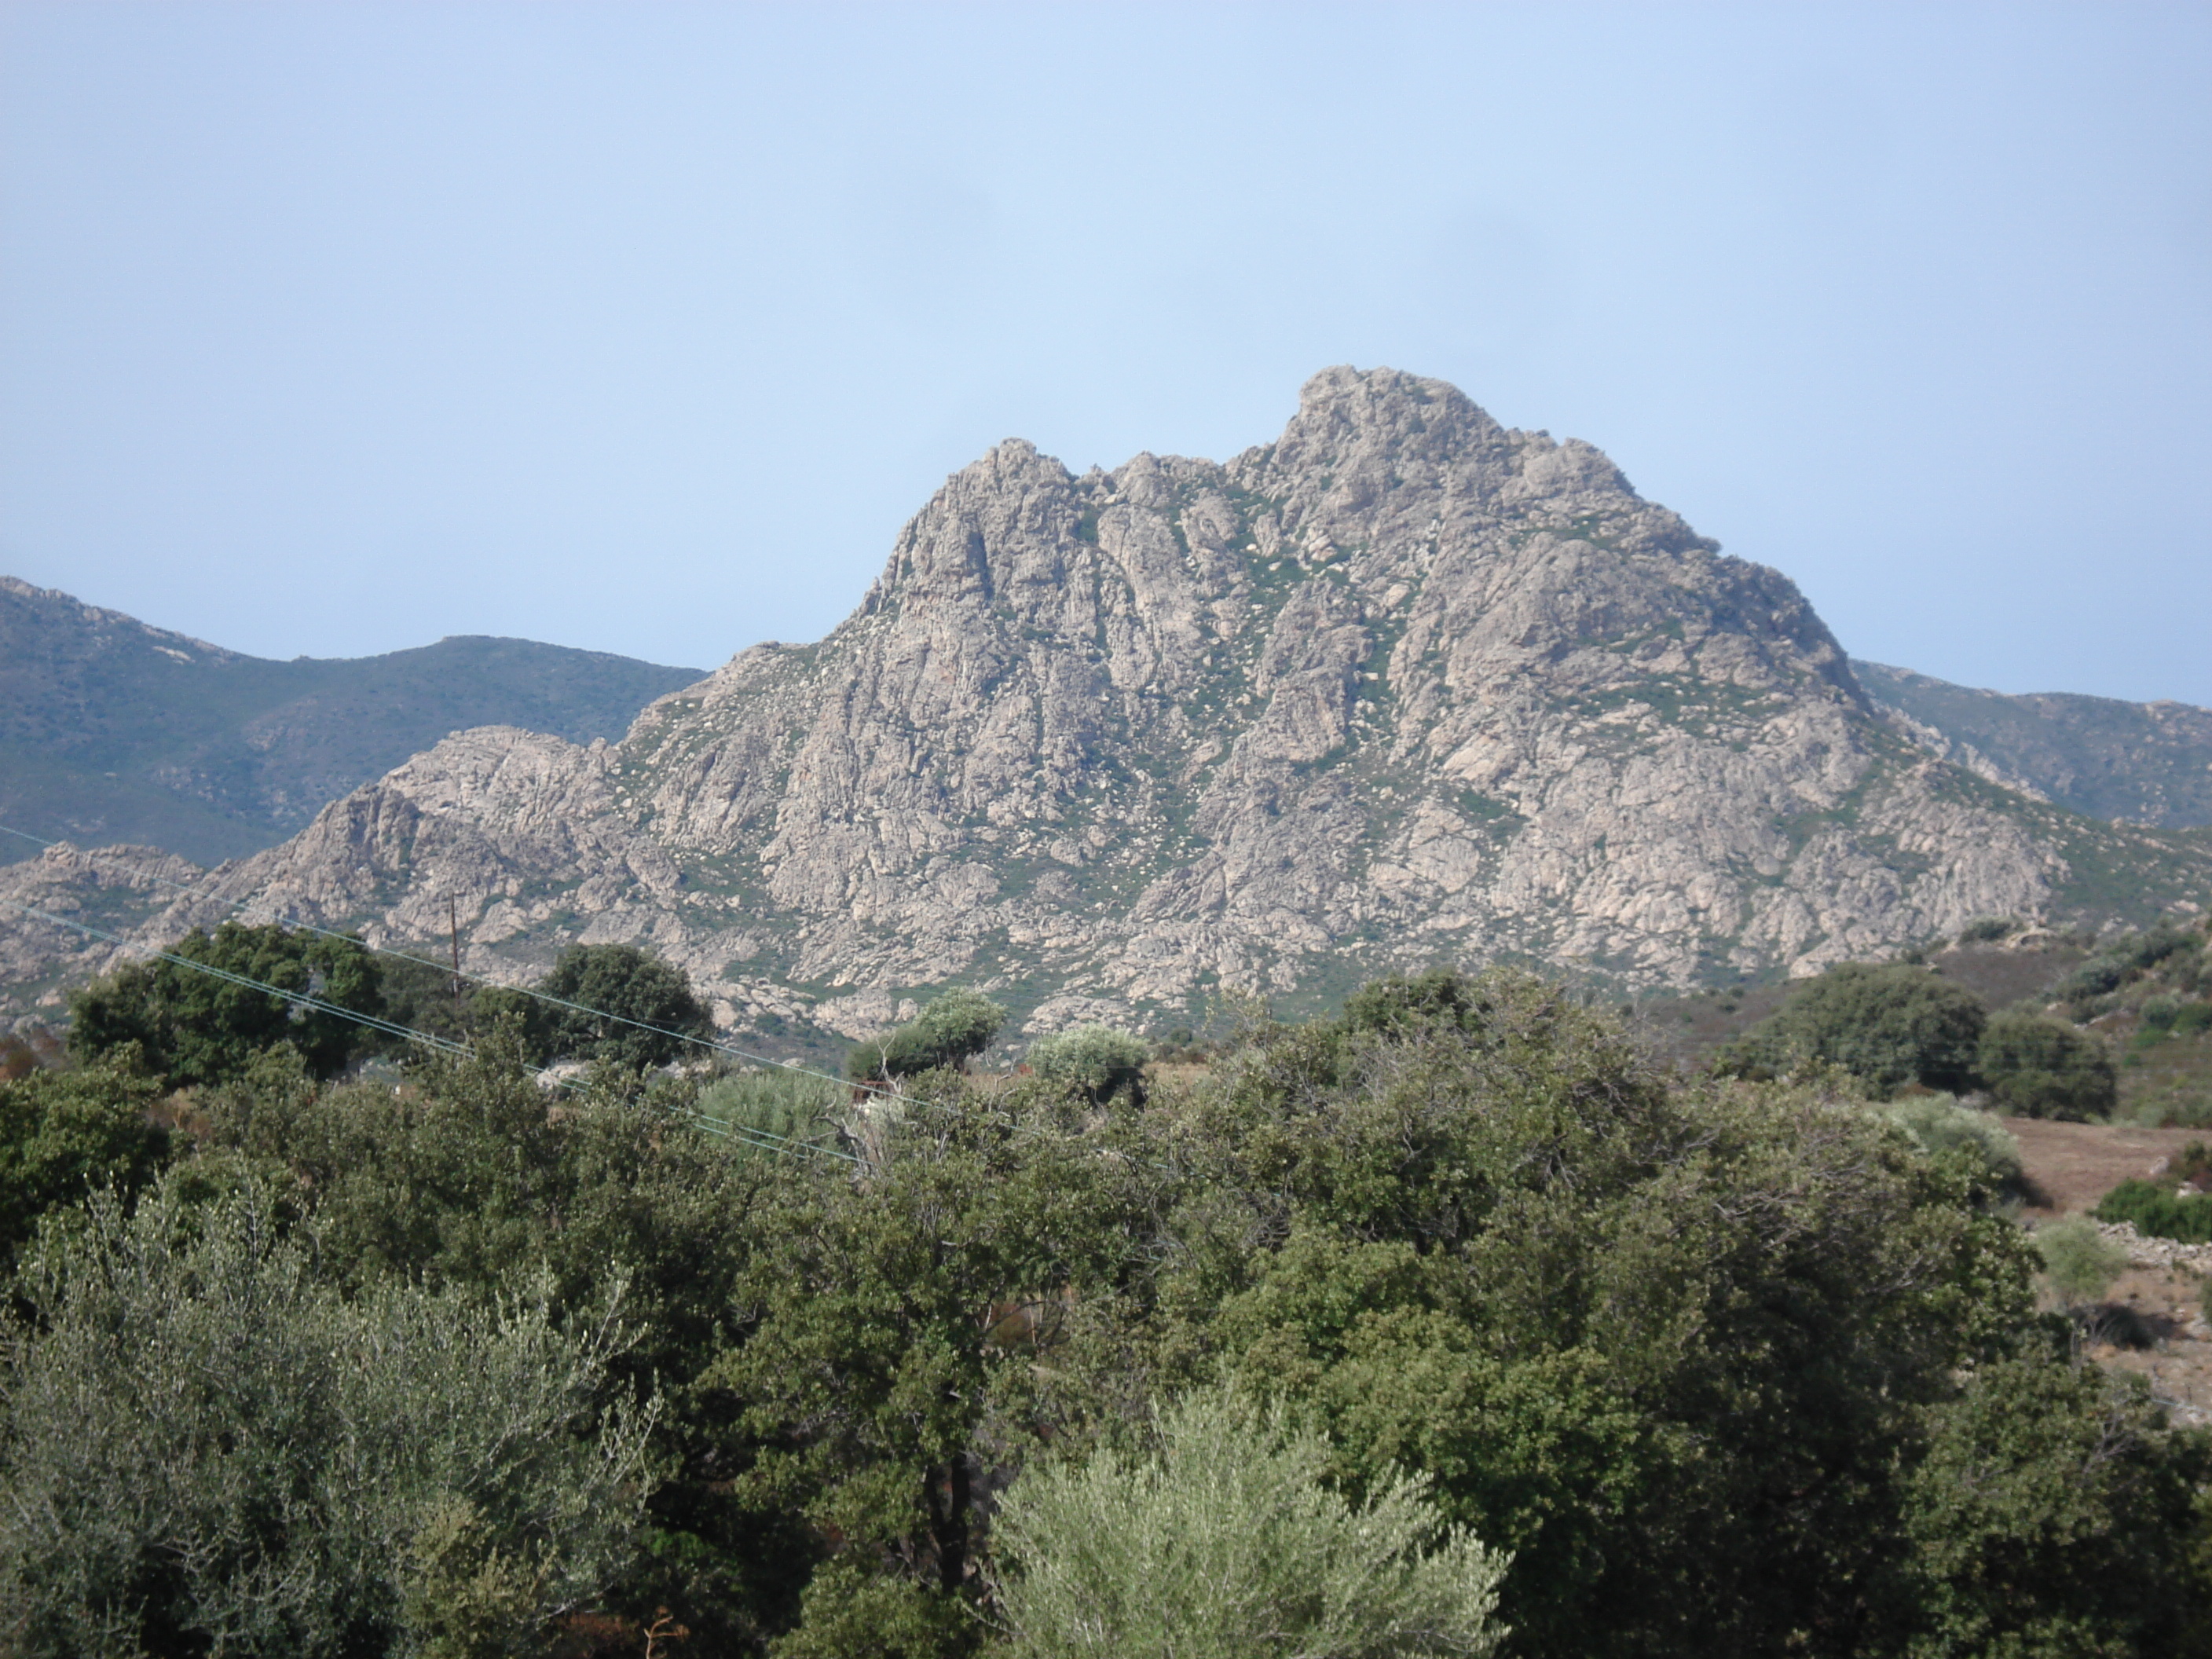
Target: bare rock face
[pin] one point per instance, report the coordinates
(1403, 686)
(66, 914)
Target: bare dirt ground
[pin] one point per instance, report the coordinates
(2074, 1164)
(2157, 1313)
(2169, 1344)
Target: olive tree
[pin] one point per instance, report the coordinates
(954, 1027)
(1226, 1541)
(2078, 1260)
(1097, 1060)
(204, 1446)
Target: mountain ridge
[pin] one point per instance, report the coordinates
(2104, 758)
(112, 728)
(1402, 685)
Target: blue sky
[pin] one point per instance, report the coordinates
(331, 329)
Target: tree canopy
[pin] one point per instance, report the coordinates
(2040, 1067)
(952, 1030)
(633, 1011)
(1223, 1541)
(1095, 1060)
(1722, 1366)
(1887, 1026)
(203, 1438)
(196, 1027)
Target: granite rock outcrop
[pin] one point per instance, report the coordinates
(1403, 685)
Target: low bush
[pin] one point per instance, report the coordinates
(951, 1030)
(2080, 1261)
(1097, 1061)
(1441, 998)
(1228, 1542)
(776, 1104)
(2157, 1212)
(1938, 1124)
(65, 1135)
(2097, 977)
(2056, 1515)
(2038, 1067)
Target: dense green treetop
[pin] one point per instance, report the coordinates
(1887, 1025)
(2040, 1067)
(192, 1027)
(633, 1010)
(952, 1030)
(66, 1135)
(1097, 1061)
(1725, 1367)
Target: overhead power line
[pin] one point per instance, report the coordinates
(730, 1049)
(764, 1139)
(476, 978)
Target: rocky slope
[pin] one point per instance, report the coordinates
(115, 892)
(1401, 686)
(113, 730)
(2137, 762)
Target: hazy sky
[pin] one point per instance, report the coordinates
(332, 329)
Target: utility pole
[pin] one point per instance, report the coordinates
(453, 926)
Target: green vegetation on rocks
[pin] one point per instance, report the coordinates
(113, 730)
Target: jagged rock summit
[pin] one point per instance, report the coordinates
(1403, 685)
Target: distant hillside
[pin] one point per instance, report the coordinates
(112, 730)
(2138, 763)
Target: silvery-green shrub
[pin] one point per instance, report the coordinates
(1938, 1124)
(2080, 1261)
(1224, 1542)
(208, 1448)
(1097, 1059)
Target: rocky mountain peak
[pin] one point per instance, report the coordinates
(1402, 686)
(1350, 422)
